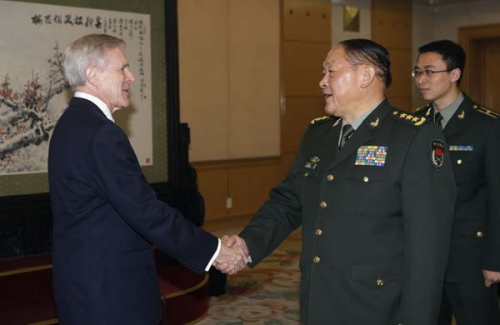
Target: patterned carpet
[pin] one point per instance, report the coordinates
(267, 294)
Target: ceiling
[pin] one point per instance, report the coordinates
(442, 2)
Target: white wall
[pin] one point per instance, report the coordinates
(443, 22)
(338, 33)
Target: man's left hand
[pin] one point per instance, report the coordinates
(491, 277)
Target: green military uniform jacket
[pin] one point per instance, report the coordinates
(473, 136)
(376, 220)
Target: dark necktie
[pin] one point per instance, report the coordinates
(347, 131)
(438, 118)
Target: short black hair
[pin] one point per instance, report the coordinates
(452, 53)
(362, 51)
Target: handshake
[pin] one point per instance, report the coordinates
(233, 255)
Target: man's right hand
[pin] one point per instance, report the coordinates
(233, 255)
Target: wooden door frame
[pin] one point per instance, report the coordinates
(468, 38)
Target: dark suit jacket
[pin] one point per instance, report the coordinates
(473, 134)
(375, 238)
(106, 218)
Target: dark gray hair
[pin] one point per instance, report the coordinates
(85, 51)
(365, 51)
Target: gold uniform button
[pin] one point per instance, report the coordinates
(318, 232)
(323, 204)
(329, 178)
(459, 161)
(479, 234)
(316, 259)
(366, 179)
(380, 282)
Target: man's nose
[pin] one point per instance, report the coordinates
(130, 76)
(420, 79)
(323, 82)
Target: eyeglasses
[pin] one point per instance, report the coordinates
(426, 72)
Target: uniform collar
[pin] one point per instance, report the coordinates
(448, 112)
(357, 122)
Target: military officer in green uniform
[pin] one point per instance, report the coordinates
(473, 136)
(373, 189)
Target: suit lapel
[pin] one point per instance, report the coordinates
(363, 134)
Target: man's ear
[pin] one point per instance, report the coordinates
(92, 75)
(368, 74)
(455, 74)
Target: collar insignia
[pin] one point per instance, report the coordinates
(374, 123)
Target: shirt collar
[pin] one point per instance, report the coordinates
(448, 112)
(99, 103)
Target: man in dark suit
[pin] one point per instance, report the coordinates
(106, 216)
(473, 136)
(373, 189)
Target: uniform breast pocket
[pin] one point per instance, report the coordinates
(372, 191)
(464, 165)
(309, 173)
(309, 183)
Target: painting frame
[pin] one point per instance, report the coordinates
(165, 103)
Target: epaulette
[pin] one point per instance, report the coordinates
(408, 118)
(486, 111)
(321, 120)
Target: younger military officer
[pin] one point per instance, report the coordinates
(473, 135)
(375, 210)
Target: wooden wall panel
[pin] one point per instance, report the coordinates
(229, 62)
(300, 111)
(229, 70)
(249, 186)
(401, 103)
(203, 76)
(402, 82)
(286, 163)
(254, 78)
(302, 62)
(392, 28)
(213, 186)
(246, 182)
(306, 21)
(392, 23)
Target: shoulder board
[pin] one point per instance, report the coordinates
(486, 111)
(321, 120)
(408, 118)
